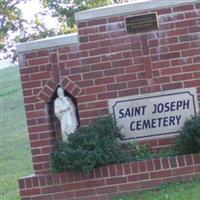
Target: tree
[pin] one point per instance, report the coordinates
(13, 28)
(65, 9)
(10, 18)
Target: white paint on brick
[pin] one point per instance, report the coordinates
(121, 9)
(48, 42)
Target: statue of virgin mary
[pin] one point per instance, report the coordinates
(65, 111)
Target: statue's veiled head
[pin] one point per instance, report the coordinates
(60, 92)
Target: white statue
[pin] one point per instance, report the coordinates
(65, 111)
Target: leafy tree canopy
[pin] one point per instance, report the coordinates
(10, 18)
(65, 9)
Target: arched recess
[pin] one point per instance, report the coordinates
(49, 93)
(48, 90)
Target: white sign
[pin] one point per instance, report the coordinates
(155, 114)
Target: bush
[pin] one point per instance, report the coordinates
(140, 151)
(90, 147)
(189, 139)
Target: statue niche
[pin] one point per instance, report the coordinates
(65, 111)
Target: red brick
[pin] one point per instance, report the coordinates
(190, 52)
(87, 114)
(30, 85)
(137, 83)
(111, 72)
(168, 41)
(85, 83)
(82, 24)
(98, 37)
(92, 75)
(129, 187)
(120, 47)
(183, 8)
(191, 68)
(135, 167)
(194, 30)
(96, 89)
(95, 22)
(150, 184)
(190, 37)
(30, 55)
(196, 158)
(188, 159)
(107, 95)
(112, 170)
(138, 177)
(86, 98)
(128, 92)
(182, 77)
(101, 66)
(181, 161)
(116, 180)
(142, 167)
(107, 189)
(183, 171)
(106, 80)
(94, 183)
(116, 86)
(83, 39)
(72, 63)
(38, 61)
(104, 170)
(63, 195)
(185, 23)
(163, 79)
(115, 19)
(160, 174)
(122, 63)
(174, 70)
(84, 193)
(87, 46)
(149, 165)
(126, 77)
(172, 86)
(169, 55)
(164, 11)
(193, 83)
(73, 186)
(81, 69)
(42, 53)
(99, 51)
(30, 192)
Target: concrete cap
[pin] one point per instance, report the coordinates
(120, 9)
(48, 42)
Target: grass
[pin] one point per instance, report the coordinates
(15, 157)
(175, 191)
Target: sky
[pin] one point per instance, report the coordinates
(31, 8)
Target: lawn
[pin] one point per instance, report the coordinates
(175, 191)
(15, 157)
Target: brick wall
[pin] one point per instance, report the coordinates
(110, 181)
(107, 63)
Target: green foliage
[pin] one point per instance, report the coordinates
(189, 139)
(139, 151)
(65, 9)
(175, 191)
(15, 156)
(143, 151)
(90, 147)
(10, 17)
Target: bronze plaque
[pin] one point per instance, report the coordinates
(142, 23)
